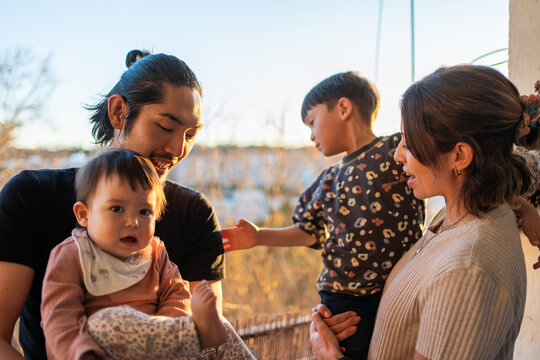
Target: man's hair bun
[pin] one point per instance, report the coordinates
(135, 55)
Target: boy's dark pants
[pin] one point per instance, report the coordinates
(357, 345)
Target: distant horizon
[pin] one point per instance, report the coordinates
(197, 146)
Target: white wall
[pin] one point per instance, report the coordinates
(524, 70)
(524, 44)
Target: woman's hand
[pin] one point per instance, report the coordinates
(242, 236)
(342, 325)
(324, 343)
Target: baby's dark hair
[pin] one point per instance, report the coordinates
(142, 83)
(129, 166)
(351, 85)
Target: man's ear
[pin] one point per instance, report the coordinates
(345, 108)
(464, 155)
(117, 109)
(80, 210)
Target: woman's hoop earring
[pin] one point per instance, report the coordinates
(457, 172)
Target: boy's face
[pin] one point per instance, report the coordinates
(164, 132)
(326, 129)
(118, 219)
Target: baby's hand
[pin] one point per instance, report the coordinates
(205, 315)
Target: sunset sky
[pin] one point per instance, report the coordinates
(255, 59)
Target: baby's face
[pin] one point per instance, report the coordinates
(121, 220)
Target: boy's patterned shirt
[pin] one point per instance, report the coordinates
(363, 216)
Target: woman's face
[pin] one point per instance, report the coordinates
(423, 180)
(165, 132)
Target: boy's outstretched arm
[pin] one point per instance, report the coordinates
(246, 235)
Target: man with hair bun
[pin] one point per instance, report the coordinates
(153, 110)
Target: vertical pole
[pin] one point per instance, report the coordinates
(378, 43)
(412, 39)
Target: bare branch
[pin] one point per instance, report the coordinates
(25, 84)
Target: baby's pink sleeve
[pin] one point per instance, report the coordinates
(62, 311)
(174, 297)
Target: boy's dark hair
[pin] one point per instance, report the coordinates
(351, 85)
(477, 105)
(130, 167)
(141, 84)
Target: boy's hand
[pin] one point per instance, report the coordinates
(243, 236)
(530, 224)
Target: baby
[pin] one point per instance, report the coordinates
(110, 289)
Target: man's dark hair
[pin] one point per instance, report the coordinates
(142, 83)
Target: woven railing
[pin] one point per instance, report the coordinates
(283, 337)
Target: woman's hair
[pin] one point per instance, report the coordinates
(479, 106)
(142, 83)
(351, 85)
(131, 168)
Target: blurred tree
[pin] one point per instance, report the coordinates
(25, 85)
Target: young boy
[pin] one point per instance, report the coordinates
(360, 211)
(110, 289)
